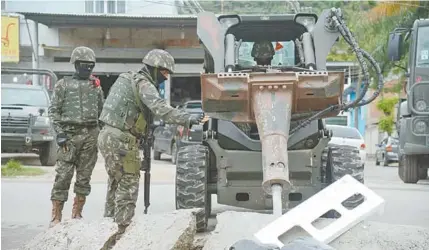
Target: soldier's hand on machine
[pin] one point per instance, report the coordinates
(196, 118)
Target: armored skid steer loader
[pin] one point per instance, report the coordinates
(265, 145)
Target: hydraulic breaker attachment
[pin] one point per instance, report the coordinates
(272, 104)
(270, 99)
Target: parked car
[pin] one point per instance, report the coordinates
(168, 138)
(387, 151)
(344, 135)
(25, 125)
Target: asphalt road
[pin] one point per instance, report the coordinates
(26, 206)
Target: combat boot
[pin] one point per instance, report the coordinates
(57, 210)
(78, 203)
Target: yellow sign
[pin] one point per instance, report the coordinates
(9, 39)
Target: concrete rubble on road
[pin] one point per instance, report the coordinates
(170, 231)
(74, 234)
(176, 231)
(235, 226)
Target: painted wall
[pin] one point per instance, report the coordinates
(121, 38)
(124, 37)
(361, 116)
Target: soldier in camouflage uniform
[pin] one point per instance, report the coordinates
(77, 102)
(263, 52)
(131, 99)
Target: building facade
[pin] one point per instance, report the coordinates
(121, 32)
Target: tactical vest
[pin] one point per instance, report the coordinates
(80, 102)
(122, 107)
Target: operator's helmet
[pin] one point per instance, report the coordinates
(159, 58)
(82, 54)
(263, 50)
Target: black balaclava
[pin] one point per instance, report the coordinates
(156, 74)
(83, 69)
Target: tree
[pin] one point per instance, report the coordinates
(387, 122)
(380, 21)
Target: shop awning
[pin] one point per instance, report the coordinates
(110, 20)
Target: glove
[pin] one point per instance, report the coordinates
(62, 139)
(196, 118)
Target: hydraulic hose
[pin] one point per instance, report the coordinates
(360, 54)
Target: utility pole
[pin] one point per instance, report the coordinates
(35, 56)
(221, 6)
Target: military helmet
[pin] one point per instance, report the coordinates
(82, 54)
(263, 49)
(159, 58)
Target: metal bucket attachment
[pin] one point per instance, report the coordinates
(228, 96)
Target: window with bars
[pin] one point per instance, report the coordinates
(105, 6)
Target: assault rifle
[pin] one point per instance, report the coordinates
(145, 164)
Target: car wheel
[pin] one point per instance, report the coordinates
(423, 173)
(408, 169)
(385, 161)
(377, 163)
(48, 154)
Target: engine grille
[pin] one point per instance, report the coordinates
(8, 121)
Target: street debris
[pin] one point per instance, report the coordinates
(332, 199)
(74, 234)
(169, 231)
(235, 226)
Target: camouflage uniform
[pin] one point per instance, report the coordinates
(124, 123)
(76, 105)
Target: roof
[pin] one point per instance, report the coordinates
(121, 20)
(111, 20)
